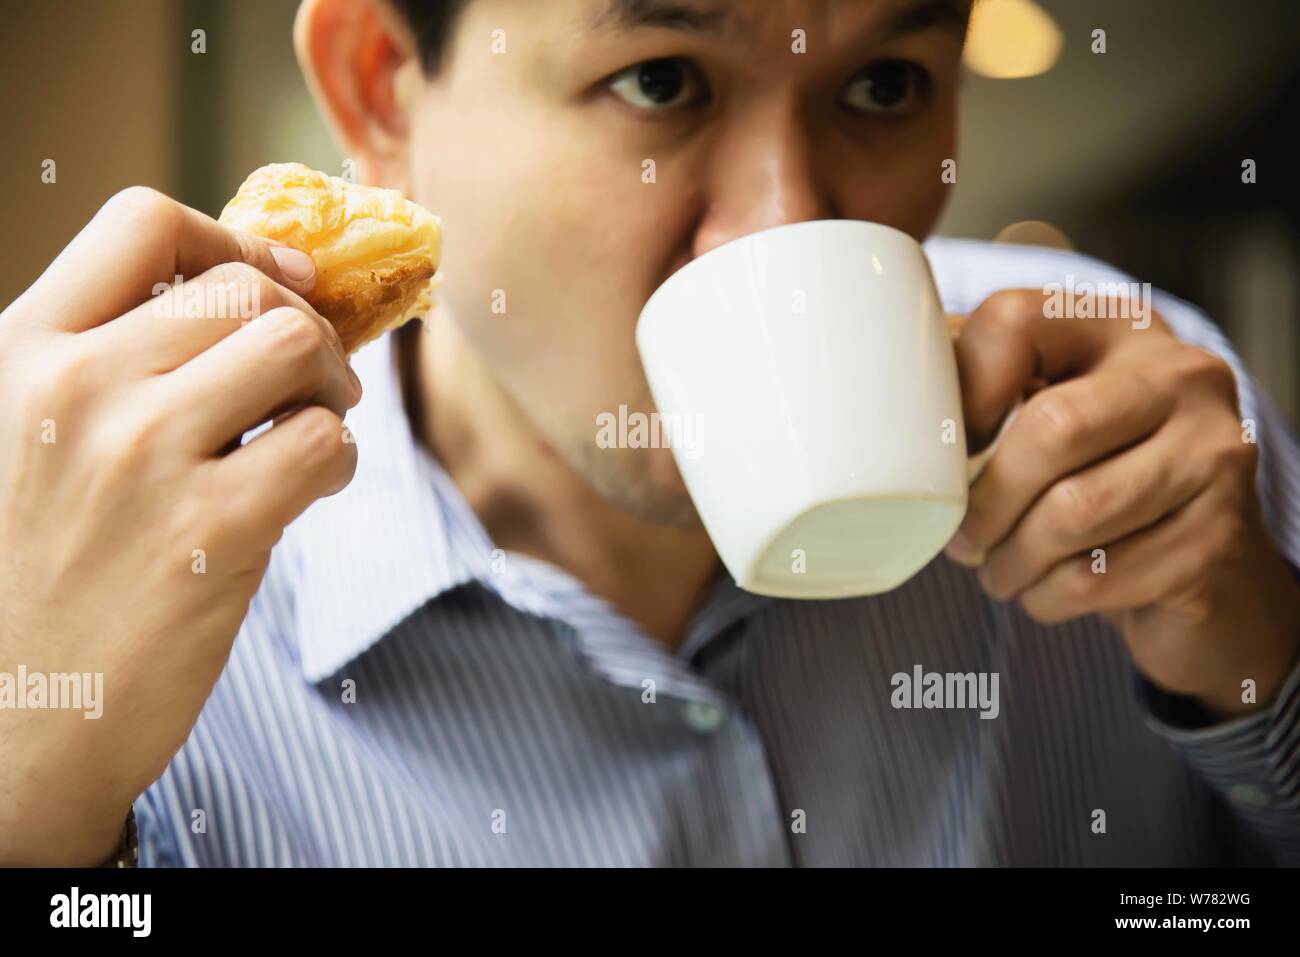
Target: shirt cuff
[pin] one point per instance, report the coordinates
(1251, 761)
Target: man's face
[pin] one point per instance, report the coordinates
(534, 144)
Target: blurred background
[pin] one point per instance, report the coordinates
(1134, 154)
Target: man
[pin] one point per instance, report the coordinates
(503, 644)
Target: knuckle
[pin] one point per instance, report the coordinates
(1228, 537)
(1203, 368)
(134, 438)
(196, 523)
(67, 372)
(236, 272)
(236, 290)
(252, 248)
(1246, 459)
(144, 205)
(1073, 507)
(1081, 583)
(1042, 610)
(296, 336)
(1012, 309)
(1058, 420)
(135, 198)
(1232, 456)
(1196, 599)
(321, 436)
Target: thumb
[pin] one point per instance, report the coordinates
(291, 267)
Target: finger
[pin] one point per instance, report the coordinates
(1145, 568)
(1007, 343)
(1058, 431)
(274, 478)
(956, 322)
(278, 361)
(1103, 503)
(170, 329)
(139, 240)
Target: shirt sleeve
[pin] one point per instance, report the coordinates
(154, 835)
(1252, 762)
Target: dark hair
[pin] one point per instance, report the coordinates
(431, 21)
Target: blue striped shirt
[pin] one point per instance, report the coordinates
(403, 693)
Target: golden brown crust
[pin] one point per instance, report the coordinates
(376, 253)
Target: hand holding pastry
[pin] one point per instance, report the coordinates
(121, 415)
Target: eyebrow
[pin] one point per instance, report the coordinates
(688, 17)
(665, 14)
(950, 15)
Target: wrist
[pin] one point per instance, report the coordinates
(1277, 660)
(74, 837)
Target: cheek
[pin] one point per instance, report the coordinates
(563, 235)
(914, 200)
(904, 183)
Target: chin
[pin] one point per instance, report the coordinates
(644, 483)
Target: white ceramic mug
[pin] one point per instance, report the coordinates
(814, 364)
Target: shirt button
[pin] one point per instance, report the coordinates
(1248, 794)
(701, 717)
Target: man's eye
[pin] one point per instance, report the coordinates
(659, 84)
(888, 88)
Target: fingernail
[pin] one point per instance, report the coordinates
(962, 551)
(295, 265)
(356, 380)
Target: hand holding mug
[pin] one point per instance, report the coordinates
(1126, 488)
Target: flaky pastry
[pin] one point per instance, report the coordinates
(376, 253)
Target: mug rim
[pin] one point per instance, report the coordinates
(749, 237)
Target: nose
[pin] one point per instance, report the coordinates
(762, 174)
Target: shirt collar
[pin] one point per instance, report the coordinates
(401, 534)
(377, 551)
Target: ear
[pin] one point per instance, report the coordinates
(361, 64)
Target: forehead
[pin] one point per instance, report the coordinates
(742, 18)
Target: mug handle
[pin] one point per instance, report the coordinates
(975, 464)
